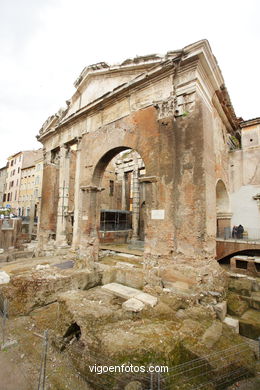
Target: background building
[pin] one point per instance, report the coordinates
(15, 164)
(3, 174)
(245, 179)
(30, 187)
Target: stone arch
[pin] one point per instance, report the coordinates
(105, 160)
(127, 210)
(223, 210)
(141, 132)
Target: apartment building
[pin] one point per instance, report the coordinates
(3, 173)
(15, 164)
(30, 187)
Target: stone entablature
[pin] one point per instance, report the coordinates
(172, 84)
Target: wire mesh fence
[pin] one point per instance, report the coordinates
(212, 372)
(91, 368)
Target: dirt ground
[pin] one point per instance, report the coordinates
(20, 363)
(12, 376)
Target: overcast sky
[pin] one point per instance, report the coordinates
(44, 45)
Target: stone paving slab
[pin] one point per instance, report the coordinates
(129, 292)
(120, 290)
(122, 248)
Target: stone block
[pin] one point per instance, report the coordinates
(255, 300)
(221, 310)
(212, 334)
(236, 306)
(249, 324)
(129, 292)
(242, 286)
(133, 304)
(232, 323)
(130, 277)
(147, 299)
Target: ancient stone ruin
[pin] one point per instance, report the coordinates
(135, 187)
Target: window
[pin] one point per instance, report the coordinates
(8, 197)
(4, 198)
(18, 169)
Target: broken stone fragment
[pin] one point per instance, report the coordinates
(135, 385)
(232, 323)
(221, 310)
(133, 304)
(212, 334)
(147, 299)
(4, 277)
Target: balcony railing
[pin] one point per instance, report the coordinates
(249, 234)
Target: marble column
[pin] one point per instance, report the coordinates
(136, 203)
(64, 172)
(77, 203)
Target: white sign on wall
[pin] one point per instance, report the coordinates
(158, 214)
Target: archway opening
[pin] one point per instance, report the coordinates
(121, 205)
(223, 211)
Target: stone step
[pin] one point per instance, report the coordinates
(126, 292)
(253, 300)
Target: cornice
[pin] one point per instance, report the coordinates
(197, 55)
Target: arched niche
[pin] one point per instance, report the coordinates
(223, 211)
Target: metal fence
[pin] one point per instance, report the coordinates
(249, 234)
(215, 371)
(212, 372)
(115, 220)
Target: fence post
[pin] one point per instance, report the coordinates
(5, 315)
(42, 376)
(151, 380)
(159, 381)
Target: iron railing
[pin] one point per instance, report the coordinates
(248, 235)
